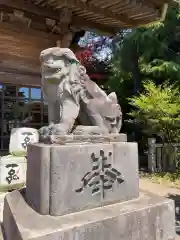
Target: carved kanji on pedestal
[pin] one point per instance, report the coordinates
(102, 177)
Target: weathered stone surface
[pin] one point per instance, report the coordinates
(147, 218)
(38, 177)
(78, 177)
(12, 172)
(86, 130)
(71, 94)
(20, 138)
(1, 233)
(84, 139)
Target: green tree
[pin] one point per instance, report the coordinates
(157, 111)
(150, 52)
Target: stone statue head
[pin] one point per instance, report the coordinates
(55, 63)
(113, 115)
(110, 111)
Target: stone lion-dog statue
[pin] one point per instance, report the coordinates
(71, 94)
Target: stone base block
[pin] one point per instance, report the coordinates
(147, 218)
(71, 178)
(12, 172)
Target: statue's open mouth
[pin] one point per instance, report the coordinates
(49, 72)
(51, 65)
(53, 78)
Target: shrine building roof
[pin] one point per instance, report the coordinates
(104, 15)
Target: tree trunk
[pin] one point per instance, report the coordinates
(136, 71)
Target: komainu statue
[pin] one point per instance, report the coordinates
(71, 94)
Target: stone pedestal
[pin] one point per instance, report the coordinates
(72, 178)
(146, 218)
(85, 191)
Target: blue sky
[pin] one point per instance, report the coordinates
(35, 92)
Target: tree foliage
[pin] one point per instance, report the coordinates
(94, 53)
(157, 110)
(150, 52)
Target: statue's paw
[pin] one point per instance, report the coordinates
(44, 130)
(58, 129)
(44, 134)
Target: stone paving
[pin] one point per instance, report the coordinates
(147, 186)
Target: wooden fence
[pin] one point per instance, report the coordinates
(162, 157)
